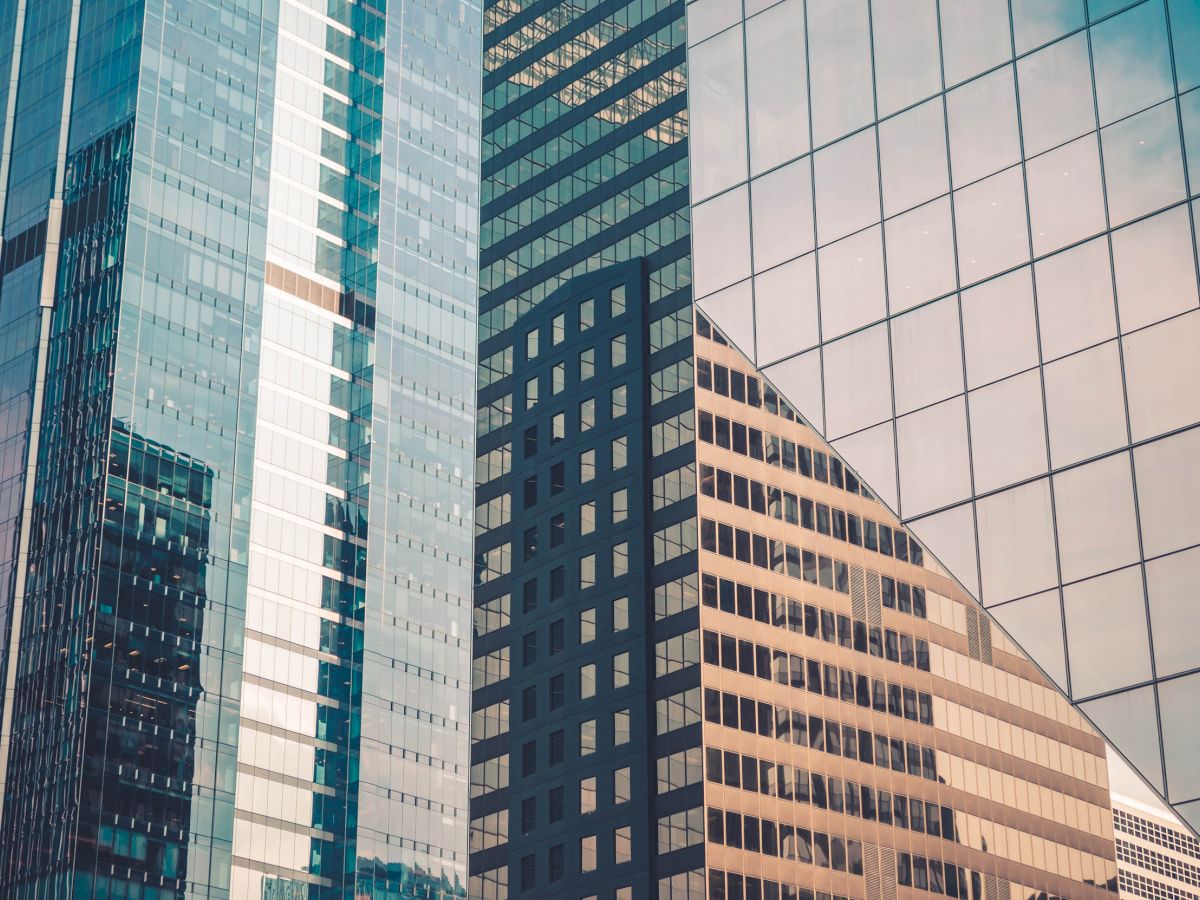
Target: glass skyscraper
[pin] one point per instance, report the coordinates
(238, 302)
(708, 661)
(960, 238)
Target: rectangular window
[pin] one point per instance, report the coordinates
(558, 329)
(587, 681)
(531, 344)
(620, 401)
(587, 737)
(616, 301)
(587, 853)
(622, 785)
(587, 517)
(531, 393)
(587, 571)
(617, 347)
(623, 844)
(587, 364)
(620, 613)
(620, 670)
(558, 378)
(558, 427)
(587, 466)
(587, 314)
(621, 724)
(620, 505)
(587, 626)
(587, 414)
(620, 559)
(620, 452)
(587, 795)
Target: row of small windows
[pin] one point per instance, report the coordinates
(796, 727)
(769, 500)
(776, 451)
(582, 319)
(622, 792)
(937, 877)
(783, 558)
(589, 859)
(819, 623)
(785, 668)
(588, 735)
(1151, 831)
(798, 785)
(784, 841)
(588, 685)
(736, 886)
(617, 354)
(618, 459)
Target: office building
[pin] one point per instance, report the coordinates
(238, 282)
(708, 662)
(1156, 859)
(960, 238)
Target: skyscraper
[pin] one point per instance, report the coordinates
(238, 294)
(958, 237)
(708, 661)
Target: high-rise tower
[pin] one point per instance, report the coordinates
(708, 661)
(961, 238)
(238, 296)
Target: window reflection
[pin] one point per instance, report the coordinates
(906, 52)
(777, 84)
(840, 67)
(912, 156)
(1130, 60)
(1143, 166)
(851, 278)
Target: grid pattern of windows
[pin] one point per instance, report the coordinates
(961, 239)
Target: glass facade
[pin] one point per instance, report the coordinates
(239, 299)
(959, 237)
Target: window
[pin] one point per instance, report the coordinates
(555, 804)
(587, 571)
(620, 401)
(616, 301)
(528, 703)
(531, 491)
(622, 785)
(587, 466)
(587, 737)
(528, 814)
(587, 363)
(558, 329)
(529, 758)
(587, 853)
(558, 427)
(557, 637)
(620, 505)
(531, 344)
(620, 452)
(529, 649)
(587, 517)
(621, 720)
(620, 559)
(623, 844)
(531, 393)
(558, 478)
(558, 378)
(558, 583)
(587, 626)
(620, 613)
(587, 314)
(587, 681)
(557, 743)
(557, 863)
(531, 441)
(617, 348)
(557, 692)
(530, 543)
(528, 872)
(620, 670)
(587, 414)
(558, 529)
(587, 795)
